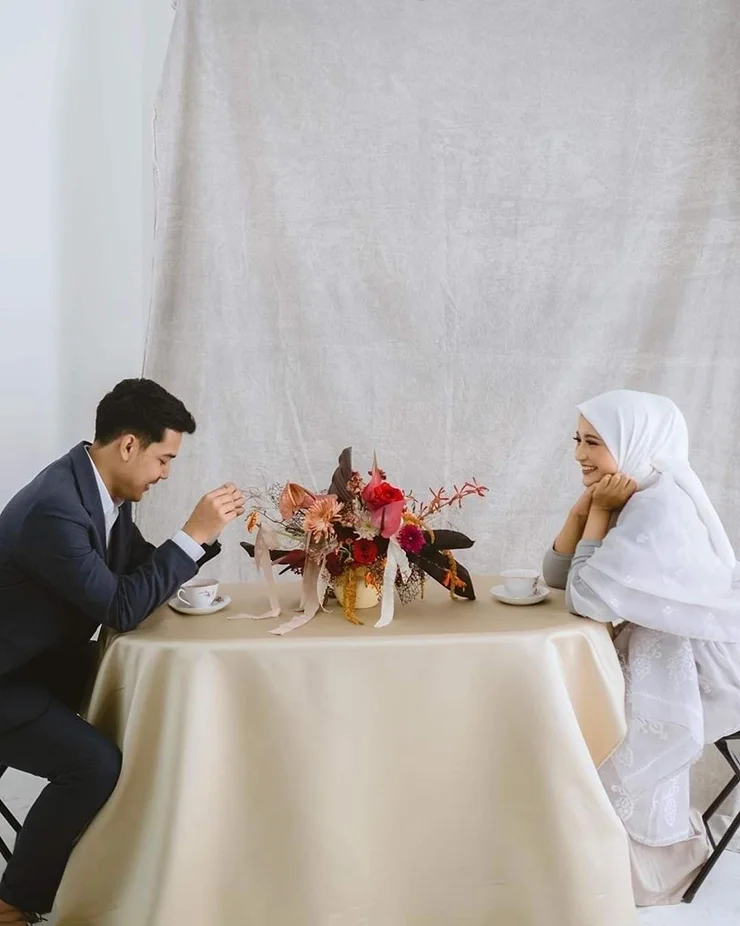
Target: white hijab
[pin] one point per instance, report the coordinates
(667, 564)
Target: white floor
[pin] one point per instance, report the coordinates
(717, 904)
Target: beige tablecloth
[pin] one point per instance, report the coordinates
(439, 772)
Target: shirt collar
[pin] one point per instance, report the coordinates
(108, 503)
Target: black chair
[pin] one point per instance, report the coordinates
(718, 847)
(5, 850)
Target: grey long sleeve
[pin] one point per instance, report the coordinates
(561, 570)
(555, 568)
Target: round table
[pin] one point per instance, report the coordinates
(439, 772)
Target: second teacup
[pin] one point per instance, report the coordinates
(521, 583)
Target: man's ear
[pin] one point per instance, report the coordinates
(127, 446)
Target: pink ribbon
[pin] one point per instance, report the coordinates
(264, 542)
(313, 585)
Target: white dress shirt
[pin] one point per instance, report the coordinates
(110, 513)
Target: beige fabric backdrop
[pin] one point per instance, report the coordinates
(430, 228)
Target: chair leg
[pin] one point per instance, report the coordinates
(717, 848)
(712, 860)
(10, 818)
(728, 755)
(717, 803)
(4, 850)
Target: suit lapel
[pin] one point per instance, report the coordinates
(88, 488)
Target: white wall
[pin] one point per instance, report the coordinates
(77, 85)
(28, 335)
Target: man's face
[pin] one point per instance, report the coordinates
(138, 467)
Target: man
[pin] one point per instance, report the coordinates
(71, 559)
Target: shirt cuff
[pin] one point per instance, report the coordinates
(186, 543)
(587, 547)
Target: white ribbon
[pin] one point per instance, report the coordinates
(396, 561)
(265, 541)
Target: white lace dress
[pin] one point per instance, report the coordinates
(681, 693)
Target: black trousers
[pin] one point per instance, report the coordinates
(82, 768)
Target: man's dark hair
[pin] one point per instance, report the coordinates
(141, 407)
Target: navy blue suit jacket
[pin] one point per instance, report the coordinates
(58, 585)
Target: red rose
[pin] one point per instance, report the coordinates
(364, 552)
(385, 503)
(381, 495)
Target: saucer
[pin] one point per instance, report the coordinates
(500, 594)
(223, 601)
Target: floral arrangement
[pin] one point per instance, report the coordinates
(359, 537)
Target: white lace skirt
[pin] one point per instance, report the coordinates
(681, 694)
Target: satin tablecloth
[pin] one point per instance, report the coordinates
(439, 772)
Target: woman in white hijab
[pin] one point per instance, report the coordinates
(644, 546)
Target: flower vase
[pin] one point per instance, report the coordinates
(366, 596)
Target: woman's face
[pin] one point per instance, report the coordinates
(592, 454)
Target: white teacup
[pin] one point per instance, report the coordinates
(521, 583)
(198, 593)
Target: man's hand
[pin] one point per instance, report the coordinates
(613, 492)
(213, 512)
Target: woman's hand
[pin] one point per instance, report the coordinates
(583, 505)
(613, 492)
(569, 537)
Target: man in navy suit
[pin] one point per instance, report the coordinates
(71, 559)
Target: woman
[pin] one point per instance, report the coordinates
(644, 545)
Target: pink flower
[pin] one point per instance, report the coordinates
(411, 539)
(380, 495)
(386, 503)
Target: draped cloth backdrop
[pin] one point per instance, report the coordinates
(430, 228)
